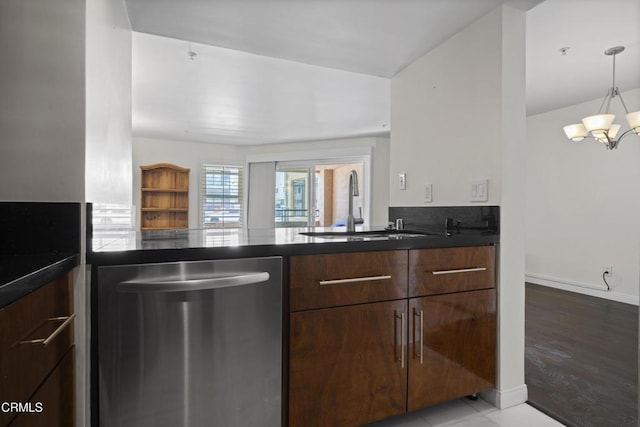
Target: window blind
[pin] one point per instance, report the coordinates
(222, 204)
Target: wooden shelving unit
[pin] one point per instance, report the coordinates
(164, 198)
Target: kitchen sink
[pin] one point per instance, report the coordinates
(371, 234)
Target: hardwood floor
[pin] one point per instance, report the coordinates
(581, 357)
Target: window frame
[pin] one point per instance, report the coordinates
(241, 196)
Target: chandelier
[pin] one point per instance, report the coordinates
(601, 127)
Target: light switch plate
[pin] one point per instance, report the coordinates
(479, 190)
(402, 181)
(428, 192)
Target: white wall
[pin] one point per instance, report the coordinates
(193, 154)
(445, 119)
(42, 102)
(380, 181)
(512, 164)
(107, 150)
(582, 204)
(458, 114)
(108, 108)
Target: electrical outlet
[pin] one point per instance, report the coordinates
(607, 269)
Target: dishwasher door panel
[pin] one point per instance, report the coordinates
(198, 357)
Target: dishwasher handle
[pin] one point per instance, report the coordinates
(187, 285)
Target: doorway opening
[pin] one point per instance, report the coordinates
(315, 194)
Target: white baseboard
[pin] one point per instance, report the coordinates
(581, 288)
(503, 399)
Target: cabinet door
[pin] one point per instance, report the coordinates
(35, 333)
(347, 364)
(53, 404)
(452, 346)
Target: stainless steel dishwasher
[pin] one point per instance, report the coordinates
(190, 343)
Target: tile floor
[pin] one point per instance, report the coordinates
(468, 413)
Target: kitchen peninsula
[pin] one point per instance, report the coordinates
(374, 323)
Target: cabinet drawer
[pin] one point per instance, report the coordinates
(446, 270)
(35, 333)
(329, 280)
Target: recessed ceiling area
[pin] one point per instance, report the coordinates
(296, 70)
(232, 97)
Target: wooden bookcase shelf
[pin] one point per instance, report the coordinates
(164, 198)
(165, 210)
(165, 190)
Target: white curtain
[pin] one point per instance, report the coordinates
(261, 204)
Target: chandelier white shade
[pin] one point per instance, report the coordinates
(600, 126)
(598, 122)
(634, 121)
(576, 132)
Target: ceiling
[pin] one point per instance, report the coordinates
(266, 71)
(588, 27)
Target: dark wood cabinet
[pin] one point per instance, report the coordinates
(347, 364)
(36, 334)
(447, 270)
(56, 395)
(376, 334)
(452, 346)
(318, 281)
(452, 334)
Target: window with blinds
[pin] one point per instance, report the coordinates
(222, 203)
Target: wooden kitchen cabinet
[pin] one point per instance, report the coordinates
(347, 359)
(56, 395)
(376, 334)
(319, 281)
(164, 198)
(446, 270)
(36, 339)
(452, 334)
(452, 346)
(347, 364)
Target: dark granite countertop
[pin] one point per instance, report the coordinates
(23, 274)
(132, 247)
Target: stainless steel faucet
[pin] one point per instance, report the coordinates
(353, 191)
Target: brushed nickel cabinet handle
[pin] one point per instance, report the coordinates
(354, 280)
(421, 336)
(402, 343)
(46, 341)
(400, 359)
(462, 270)
(418, 354)
(395, 335)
